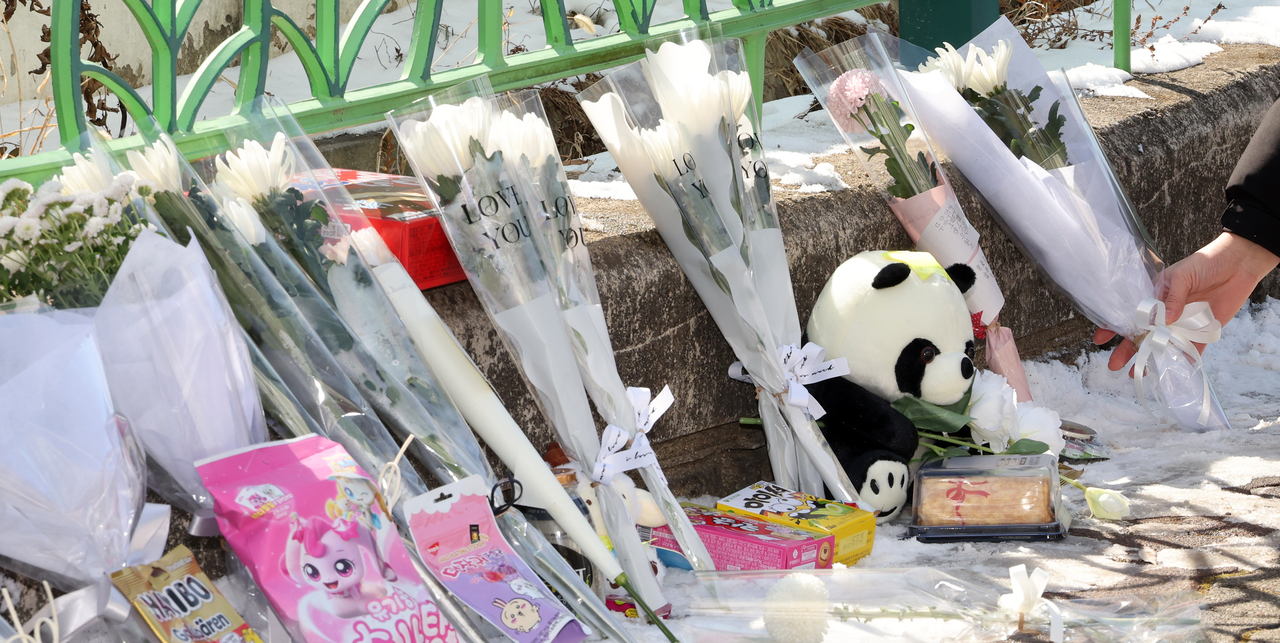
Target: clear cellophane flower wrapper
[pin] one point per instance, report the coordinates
(669, 123)
(311, 249)
(486, 207)
(913, 604)
(455, 442)
(1073, 222)
(273, 322)
(179, 365)
(858, 86)
(71, 471)
(522, 132)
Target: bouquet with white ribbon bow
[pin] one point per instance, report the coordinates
(522, 133)
(1055, 194)
(682, 126)
(72, 475)
(488, 209)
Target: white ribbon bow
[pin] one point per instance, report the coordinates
(801, 366)
(1197, 324)
(1027, 594)
(612, 459)
(70, 612)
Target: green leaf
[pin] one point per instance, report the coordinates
(319, 213)
(448, 188)
(1026, 446)
(956, 452)
(931, 417)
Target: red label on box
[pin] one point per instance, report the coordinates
(738, 542)
(405, 219)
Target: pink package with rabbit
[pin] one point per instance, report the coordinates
(312, 528)
(458, 539)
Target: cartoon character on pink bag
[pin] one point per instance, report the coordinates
(339, 559)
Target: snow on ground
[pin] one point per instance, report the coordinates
(1163, 470)
(1178, 44)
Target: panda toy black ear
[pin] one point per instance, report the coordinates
(892, 275)
(962, 275)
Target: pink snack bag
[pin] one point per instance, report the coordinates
(312, 528)
(458, 539)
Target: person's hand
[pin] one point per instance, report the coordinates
(1223, 273)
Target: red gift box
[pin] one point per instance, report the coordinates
(405, 219)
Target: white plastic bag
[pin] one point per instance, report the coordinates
(178, 365)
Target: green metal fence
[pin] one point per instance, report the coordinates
(330, 57)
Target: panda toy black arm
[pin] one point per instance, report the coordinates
(858, 421)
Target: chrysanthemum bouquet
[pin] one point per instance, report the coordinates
(1058, 198)
(488, 209)
(65, 241)
(863, 95)
(672, 122)
(521, 131)
(285, 347)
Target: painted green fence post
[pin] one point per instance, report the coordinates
(1121, 34)
(930, 23)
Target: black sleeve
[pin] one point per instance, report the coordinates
(1254, 188)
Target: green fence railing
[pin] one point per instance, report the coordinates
(330, 57)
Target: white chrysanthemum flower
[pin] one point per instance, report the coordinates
(73, 246)
(737, 87)
(11, 185)
(115, 212)
(94, 226)
(27, 229)
(15, 261)
(992, 71)
(993, 405)
(7, 224)
(528, 136)
(87, 173)
(796, 609)
(121, 186)
(954, 67)
(683, 84)
(157, 164)
(440, 145)
(253, 172)
(242, 215)
(665, 148)
(371, 247)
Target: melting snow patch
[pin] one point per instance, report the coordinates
(1170, 55)
(1098, 80)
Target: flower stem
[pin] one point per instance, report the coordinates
(1073, 483)
(622, 582)
(956, 441)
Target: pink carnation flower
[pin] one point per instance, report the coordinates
(848, 94)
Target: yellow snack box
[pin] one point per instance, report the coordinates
(853, 529)
(180, 603)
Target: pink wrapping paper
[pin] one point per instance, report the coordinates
(1003, 359)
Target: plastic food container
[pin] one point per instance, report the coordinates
(992, 503)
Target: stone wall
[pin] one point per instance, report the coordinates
(1173, 154)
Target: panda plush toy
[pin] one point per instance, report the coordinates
(900, 320)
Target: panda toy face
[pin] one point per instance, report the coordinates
(901, 321)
